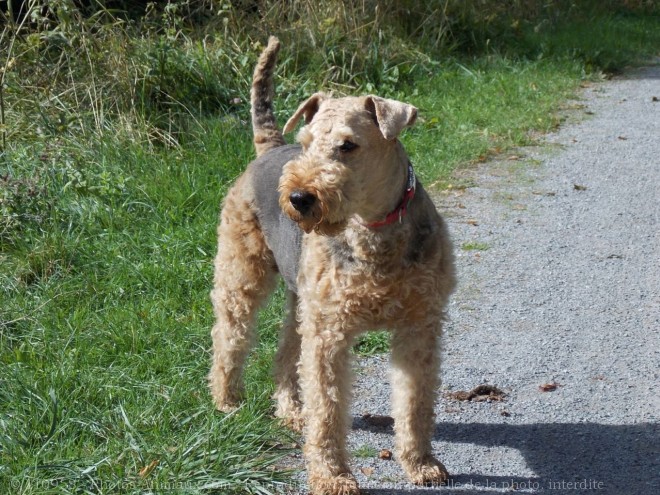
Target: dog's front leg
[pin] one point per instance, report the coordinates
(415, 370)
(325, 382)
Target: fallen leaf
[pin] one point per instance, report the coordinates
(146, 470)
(623, 138)
(367, 471)
(479, 393)
(385, 454)
(472, 221)
(513, 157)
(460, 395)
(549, 387)
(578, 187)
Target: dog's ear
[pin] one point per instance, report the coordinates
(391, 115)
(308, 109)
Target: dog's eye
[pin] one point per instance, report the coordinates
(347, 146)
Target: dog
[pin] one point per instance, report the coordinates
(341, 217)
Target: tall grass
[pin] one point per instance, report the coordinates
(149, 76)
(120, 134)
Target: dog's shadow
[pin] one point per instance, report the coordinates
(565, 457)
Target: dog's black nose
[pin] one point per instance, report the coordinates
(302, 201)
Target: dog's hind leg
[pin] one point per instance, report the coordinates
(245, 274)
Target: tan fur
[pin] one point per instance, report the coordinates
(351, 278)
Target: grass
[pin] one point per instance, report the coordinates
(109, 194)
(104, 328)
(365, 452)
(475, 246)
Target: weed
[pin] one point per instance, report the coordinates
(373, 343)
(365, 452)
(475, 246)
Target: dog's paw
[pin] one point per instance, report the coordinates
(344, 484)
(226, 407)
(429, 472)
(227, 403)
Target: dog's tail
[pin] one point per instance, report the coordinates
(264, 126)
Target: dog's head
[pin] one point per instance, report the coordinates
(350, 155)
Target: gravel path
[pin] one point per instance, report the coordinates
(563, 287)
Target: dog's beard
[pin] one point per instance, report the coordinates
(329, 214)
(324, 217)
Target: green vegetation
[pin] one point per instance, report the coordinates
(365, 452)
(120, 133)
(475, 246)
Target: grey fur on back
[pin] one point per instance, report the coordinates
(283, 236)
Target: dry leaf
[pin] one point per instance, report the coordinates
(578, 187)
(146, 470)
(367, 471)
(548, 387)
(623, 138)
(479, 393)
(385, 454)
(472, 221)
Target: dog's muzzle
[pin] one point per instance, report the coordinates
(302, 201)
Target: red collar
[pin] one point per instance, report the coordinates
(400, 211)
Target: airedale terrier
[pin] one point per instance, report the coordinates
(360, 245)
